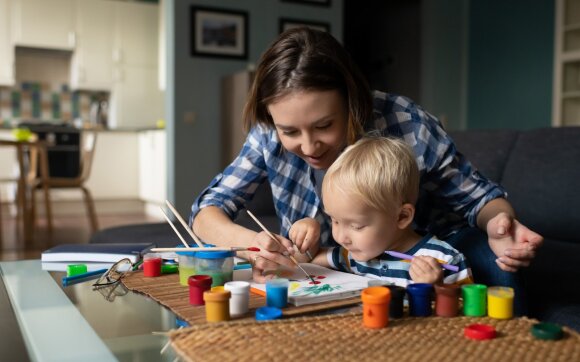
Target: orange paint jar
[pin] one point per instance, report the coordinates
(376, 307)
(217, 305)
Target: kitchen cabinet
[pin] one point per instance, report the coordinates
(566, 102)
(6, 46)
(44, 24)
(135, 101)
(92, 60)
(136, 33)
(152, 169)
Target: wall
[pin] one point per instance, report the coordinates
(193, 93)
(511, 51)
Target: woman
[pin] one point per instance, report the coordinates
(307, 103)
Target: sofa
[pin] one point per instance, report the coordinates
(539, 169)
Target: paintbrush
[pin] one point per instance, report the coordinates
(278, 241)
(233, 248)
(396, 254)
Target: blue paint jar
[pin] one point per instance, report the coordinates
(420, 296)
(277, 292)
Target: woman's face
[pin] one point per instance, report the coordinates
(312, 124)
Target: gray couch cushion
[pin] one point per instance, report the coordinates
(542, 178)
(488, 150)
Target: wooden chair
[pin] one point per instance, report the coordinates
(87, 149)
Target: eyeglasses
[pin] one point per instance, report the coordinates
(114, 275)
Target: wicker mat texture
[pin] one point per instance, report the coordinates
(167, 291)
(343, 338)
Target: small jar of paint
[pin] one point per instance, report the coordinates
(268, 313)
(376, 306)
(198, 284)
(420, 297)
(500, 302)
(75, 269)
(447, 300)
(396, 309)
(217, 264)
(474, 300)
(277, 292)
(240, 301)
(186, 261)
(151, 265)
(217, 305)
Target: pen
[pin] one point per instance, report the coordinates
(396, 254)
(79, 278)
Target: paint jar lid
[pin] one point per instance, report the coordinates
(186, 253)
(268, 313)
(420, 288)
(500, 292)
(474, 289)
(214, 254)
(448, 289)
(479, 332)
(546, 331)
(201, 281)
(237, 287)
(376, 295)
(216, 295)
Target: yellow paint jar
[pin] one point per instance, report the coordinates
(500, 302)
(217, 305)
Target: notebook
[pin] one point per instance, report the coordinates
(62, 266)
(332, 285)
(103, 253)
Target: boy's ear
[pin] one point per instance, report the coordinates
(406, 214)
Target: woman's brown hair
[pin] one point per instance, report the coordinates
(304, 59)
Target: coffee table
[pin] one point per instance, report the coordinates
(76, 323)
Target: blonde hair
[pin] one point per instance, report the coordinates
(381, 171)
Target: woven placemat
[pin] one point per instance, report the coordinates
(343, 338)
(167, 290)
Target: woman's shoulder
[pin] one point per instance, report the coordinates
(263, 137)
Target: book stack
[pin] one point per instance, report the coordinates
(94, 256)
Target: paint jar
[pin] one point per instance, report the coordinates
(217, 305)
(198, 284)
(277, 292)
(376, 306)
(217, 264)
(268, 313)
(151, 265)
(240, 301)
(396, 309)
(447, 300)
(186, 261)
(420, 296)
(474, 300)
(500, 302)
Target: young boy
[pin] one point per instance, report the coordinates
(369, 193)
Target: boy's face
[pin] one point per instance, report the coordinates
(362, 230)
(312, 125)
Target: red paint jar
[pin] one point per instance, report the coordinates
(198, 284)
(447, 300)
(151, 265)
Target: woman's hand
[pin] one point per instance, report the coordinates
(514, 244)
(426, 269)
(305, 233)
(271, 255)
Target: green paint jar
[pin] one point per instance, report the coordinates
(474, 300)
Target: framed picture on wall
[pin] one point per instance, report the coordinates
(287, 23)
(219, 32)
(310, 2)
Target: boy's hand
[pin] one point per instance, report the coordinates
(305, 233)
(426, 269)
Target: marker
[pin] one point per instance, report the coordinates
(396, 254)
(79, 278)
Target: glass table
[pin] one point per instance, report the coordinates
(77, 323)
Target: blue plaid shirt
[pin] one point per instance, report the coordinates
(451, 190)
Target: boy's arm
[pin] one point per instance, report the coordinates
(321, 257)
